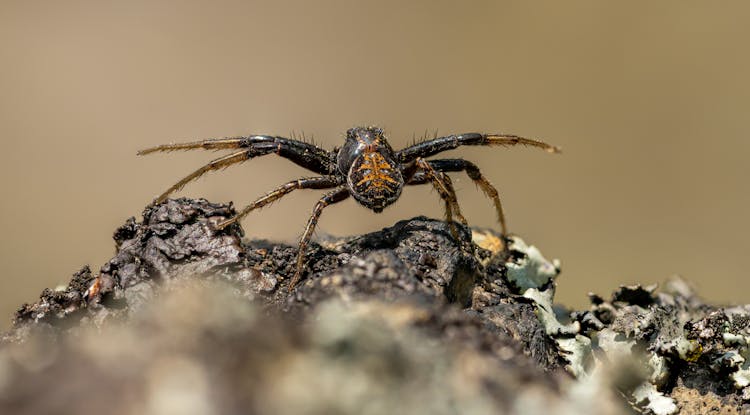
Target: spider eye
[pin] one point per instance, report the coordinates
(364, 133)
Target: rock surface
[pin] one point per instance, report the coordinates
(184, 319)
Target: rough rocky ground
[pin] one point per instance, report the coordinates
(187, 320)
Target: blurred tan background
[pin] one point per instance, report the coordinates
(648, 99)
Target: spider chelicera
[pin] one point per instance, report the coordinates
(365, 167)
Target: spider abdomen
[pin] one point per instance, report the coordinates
(375, 181)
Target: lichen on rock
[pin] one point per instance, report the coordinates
(408, 319)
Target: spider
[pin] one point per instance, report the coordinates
(366, 167)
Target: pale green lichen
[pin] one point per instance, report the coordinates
(607, 340)
(739, 359)
(647, 394)
(657, 402)
(741, 377)
(578, 354)
(577, 348)
(731, 339)
(660, 370)
(533, 270)
(640, 334)
(546, 314)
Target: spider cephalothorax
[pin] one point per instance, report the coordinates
(365, 167)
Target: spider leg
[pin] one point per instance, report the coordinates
(301, 153)
(453, 199)
(208, 144)
(431, 147)
(336, 195)
(447, 193)
(471, 169)
(324, 182)
(421, 178)
(216, 164)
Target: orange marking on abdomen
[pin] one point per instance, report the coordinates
(378, 175)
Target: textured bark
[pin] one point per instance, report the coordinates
(405, 320)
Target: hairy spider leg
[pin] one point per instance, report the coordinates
(471, 169)
(431, 147)
(303, 154)
(421, 178)
(444, 187)
(216, 164)
(324, 182)
(334, 196)
(453, 198)
(208, 144)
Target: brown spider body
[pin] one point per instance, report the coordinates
(367, 161)
(365, 167)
